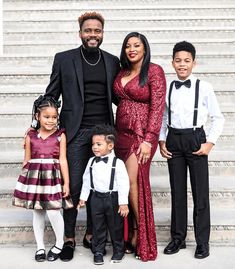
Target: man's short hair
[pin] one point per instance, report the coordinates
(90, 15)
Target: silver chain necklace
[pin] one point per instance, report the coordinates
(92, 64)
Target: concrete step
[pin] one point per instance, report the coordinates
(22, 103)
(15, 155)
(185, 33)
(19, 61)
(31, 5)
(18, 26)
(19, 81)
(7, 144)
(157, 46)
(222, 191)
(16, 226)
(10, 168)
(221, 256)
(15, 125)
(109, 8)
(222, 90)
(205, 63)
(216, 155)
(12, 89)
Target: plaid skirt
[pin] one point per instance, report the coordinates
(39, 185)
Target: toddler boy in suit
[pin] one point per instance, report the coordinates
(107, 179)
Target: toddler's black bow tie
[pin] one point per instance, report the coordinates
(98, 159)
(186, 83)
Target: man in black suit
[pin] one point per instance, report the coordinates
(83, 77)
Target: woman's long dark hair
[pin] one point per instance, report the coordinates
(125, 64)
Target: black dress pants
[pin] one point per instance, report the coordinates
(181, 145)
(105, 217)
(78, 153)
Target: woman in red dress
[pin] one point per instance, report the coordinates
(140, 88)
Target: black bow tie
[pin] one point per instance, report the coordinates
(98, 159)
(186, 83)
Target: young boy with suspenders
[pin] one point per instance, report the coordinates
(185, 145)
(107, 179)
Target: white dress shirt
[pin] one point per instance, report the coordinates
(101, 172)
(182, 110)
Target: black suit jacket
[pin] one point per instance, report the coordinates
(67, 80)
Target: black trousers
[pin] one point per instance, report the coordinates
(105, 217)
(78, 153)
(181, 145)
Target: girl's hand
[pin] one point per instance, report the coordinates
(65, 190)
(123, 210)
(144, 152)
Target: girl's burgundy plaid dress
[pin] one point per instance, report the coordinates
(40, 184)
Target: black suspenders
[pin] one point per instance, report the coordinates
(169, 103)
(195, 104)
(111, 177)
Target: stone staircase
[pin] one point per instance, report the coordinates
(33, 31)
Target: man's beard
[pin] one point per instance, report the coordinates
(91, 49)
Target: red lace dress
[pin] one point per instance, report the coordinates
(139, 118)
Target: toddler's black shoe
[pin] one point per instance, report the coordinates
(40, 255)
(98, 258)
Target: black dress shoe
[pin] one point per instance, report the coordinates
(98, 258)
(129, 248)
(67, 251)
(40, 257)
(86, 243)
(117, 257)
(174, 246)
(52, 256)
(202, 251)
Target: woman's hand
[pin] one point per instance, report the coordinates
(144, 152)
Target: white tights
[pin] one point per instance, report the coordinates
(57, 224)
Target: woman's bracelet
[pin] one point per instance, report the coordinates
(147, 143)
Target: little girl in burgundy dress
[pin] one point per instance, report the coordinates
(44, 179)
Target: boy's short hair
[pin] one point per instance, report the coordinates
(90, 15)
(184, 46)
(107, 130)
